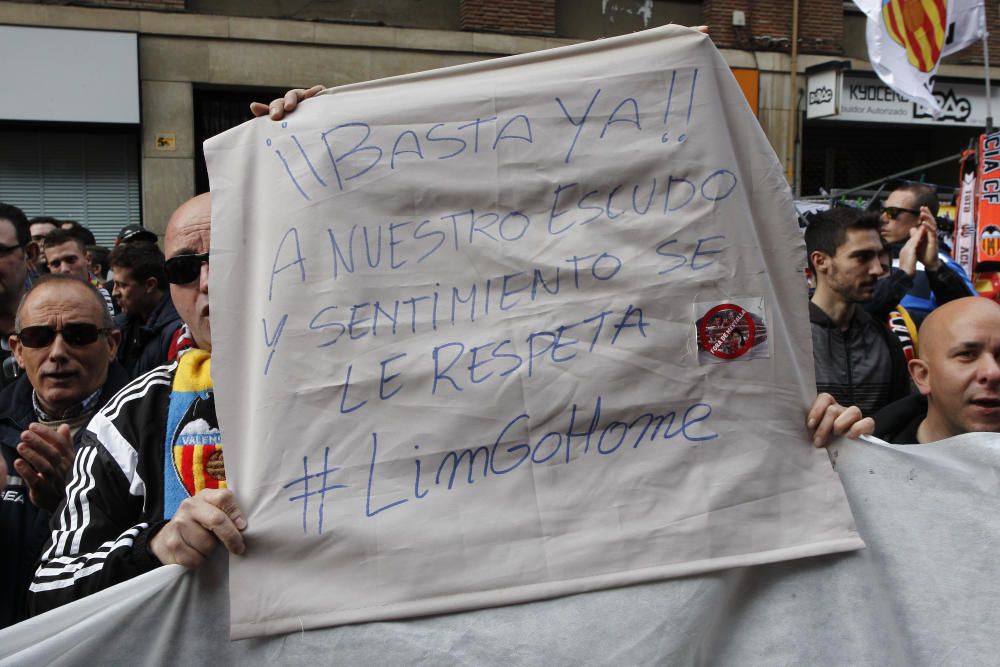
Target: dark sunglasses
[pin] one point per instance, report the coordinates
(7, 249)
(182, 269)
(894, 211)
(74, 333)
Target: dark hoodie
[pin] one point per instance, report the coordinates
(920, 294)
(863, 365)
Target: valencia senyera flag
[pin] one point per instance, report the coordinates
(908, 38)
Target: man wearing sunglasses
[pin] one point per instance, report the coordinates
(150, 488)
(923, 278)
(65, 342)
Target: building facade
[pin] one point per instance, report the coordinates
(105, 103)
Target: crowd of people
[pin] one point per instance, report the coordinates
(76, 331)
(109, 380)
(865, 266)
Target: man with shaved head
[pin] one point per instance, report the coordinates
(150, 488)
(957, 376)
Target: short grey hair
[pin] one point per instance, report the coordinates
(107, 321)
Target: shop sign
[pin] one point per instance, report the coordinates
(823, 94)
(864, 98)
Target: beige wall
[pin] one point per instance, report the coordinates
(438, 14)
(171, 65)
(180, 50)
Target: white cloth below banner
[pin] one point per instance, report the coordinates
(923, 592)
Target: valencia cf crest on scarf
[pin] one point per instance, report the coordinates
(193, 442)
(197, 448)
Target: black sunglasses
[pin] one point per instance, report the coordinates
(74, 333)
(894, 211)
(7, 249)
(182, 269)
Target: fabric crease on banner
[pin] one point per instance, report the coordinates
(463, 369)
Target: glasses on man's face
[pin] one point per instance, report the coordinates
(75, 334)
(7, 249)
(894, 211)
(182, 269)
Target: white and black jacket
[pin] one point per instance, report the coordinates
(114, 500)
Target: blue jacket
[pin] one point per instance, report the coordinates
(925, 292)
(923, 297)
(24, 527)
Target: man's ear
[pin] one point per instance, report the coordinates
(15, 348)
(820, 260)
(33, 251)
(150, 285)
(114, 340)
(921, 374)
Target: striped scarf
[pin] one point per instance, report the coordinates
(192, 440)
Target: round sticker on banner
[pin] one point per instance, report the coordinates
(727, 331)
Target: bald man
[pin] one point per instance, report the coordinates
(149, 487)
(957, 377)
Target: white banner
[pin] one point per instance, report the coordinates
(927, 513)
(908, 38)
(508, 331)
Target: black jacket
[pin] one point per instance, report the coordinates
(897, 423)
(916, 294)
(146, 346)
(100, 536)
(24, 527)
(862, 366)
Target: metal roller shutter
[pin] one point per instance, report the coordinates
(90, 177)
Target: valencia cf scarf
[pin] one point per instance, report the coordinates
(193, 444)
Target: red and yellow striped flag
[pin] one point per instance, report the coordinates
(919, 27)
